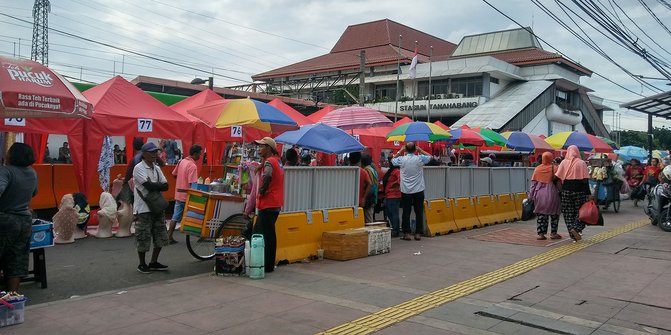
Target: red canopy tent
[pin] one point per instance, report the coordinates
(290, 112)
(314, 117)
(376, 138)
(123, 109)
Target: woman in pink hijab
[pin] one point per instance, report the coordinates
(572, 172)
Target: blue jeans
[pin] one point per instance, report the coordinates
(178, 211)
(391, 210)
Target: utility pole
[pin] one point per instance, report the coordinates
(398, 73)
(40, 48)
(362, 76)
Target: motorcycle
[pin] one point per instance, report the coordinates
(658, 208)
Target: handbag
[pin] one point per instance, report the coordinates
(589, 213)
(527, 209)
(154, 200)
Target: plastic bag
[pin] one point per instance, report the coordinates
(527, 209)
(589, 213)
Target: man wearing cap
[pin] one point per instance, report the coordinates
(269, 198)
(486, 162)
(150, 226)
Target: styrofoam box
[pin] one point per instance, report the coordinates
(379, 240)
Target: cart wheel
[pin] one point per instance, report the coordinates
(616, 206)
(200, 248)
(235, 221)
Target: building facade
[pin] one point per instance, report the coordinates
(501, 80)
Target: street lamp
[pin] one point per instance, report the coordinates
(209, 81)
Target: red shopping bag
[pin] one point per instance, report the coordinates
(589, 213)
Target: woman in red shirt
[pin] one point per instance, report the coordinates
(392, 197)
(652, 172)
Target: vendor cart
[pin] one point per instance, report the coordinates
(208, 216)
(604, 184)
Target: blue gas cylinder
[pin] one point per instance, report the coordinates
(256, 263)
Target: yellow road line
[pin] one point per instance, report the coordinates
(386, 317)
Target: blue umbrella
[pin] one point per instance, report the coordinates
(321, 137)
(630, 152)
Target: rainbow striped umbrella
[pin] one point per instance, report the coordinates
(243, 112)
(584, 141)
(469, 136)
(418, 131)
(520, 141)
(492, 135)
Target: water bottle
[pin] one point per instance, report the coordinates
(248, 253)
(256, 268)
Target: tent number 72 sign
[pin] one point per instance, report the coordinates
(144, 125)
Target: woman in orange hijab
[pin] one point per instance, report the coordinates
(545, 196)
(575, 190)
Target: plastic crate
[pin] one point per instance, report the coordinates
(42, 235)
(12, 316)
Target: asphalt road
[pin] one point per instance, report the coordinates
(94, 265)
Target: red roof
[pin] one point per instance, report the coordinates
(380, 41)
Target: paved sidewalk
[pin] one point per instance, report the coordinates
(618, 285)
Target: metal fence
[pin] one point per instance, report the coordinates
(315, 188)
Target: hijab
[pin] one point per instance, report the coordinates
(108, 206)
(543, 172)
(572, 167)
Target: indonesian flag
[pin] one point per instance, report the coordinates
(413, 66)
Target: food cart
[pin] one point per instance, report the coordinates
(604, 184)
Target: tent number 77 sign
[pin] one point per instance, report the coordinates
(144, 125)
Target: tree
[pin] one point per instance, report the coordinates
(661, 138)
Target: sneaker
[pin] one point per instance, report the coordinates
(143, 268)
(541, 237)
(555, 236)
(418, 237)
(157, 267)
(575, 235)
(406, 237)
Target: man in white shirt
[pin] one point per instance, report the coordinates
(411, 159)
(149, 226)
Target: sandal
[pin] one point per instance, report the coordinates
(575, 235)
(541, 237)
(555, 236)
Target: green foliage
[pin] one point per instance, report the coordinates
(661, 138)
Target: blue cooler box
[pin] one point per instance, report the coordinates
(43, 234)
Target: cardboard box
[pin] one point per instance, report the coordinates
(343, 245)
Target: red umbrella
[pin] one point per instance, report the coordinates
(355, 117)
(30, 89)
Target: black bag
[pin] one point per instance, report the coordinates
(638, 192)
(154, 200)
(527, 210)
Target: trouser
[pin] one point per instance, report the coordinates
(542, 223)
(265, 225)
(369, 214)
(414, 201)
(391, 208)
(570, 205)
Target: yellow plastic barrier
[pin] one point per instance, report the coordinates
(486, 211)
(464, 214)
(296, 239)
(439, 217)
(518, 202)
(505, 207)
(343, 218)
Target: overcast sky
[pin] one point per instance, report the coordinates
(235, 39)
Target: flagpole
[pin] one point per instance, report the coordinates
(413, 88)
(428, 111)
(398, 73)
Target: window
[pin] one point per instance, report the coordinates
(386, 92)
(493, 80)
(468, 87)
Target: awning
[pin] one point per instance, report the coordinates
(657, 105)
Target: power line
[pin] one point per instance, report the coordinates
(130, 51)
(550, 45)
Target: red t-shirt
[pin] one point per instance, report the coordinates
(364, 181)
(393, 188)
